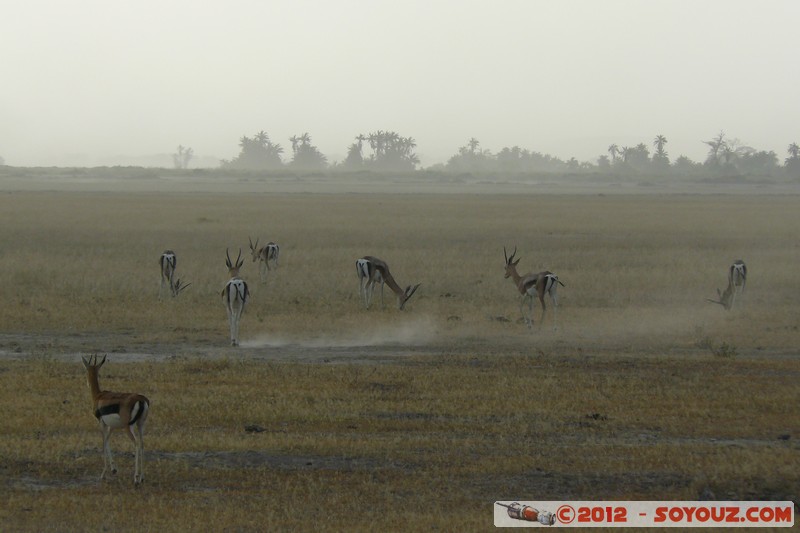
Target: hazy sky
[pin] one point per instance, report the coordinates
(86, 80)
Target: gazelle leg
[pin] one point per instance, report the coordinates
(554, 297)
(527, 319)
(544, 307)
(368, 294)
(232, 323)
(108, 458)
(138, 474)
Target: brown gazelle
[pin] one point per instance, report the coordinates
(265, 254)
(539, 284)
(372, 270)
(235, 295)
(737, 279)
(117, 410)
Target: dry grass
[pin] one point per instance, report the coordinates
(645, 392)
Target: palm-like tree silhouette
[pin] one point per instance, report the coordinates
(659, 143)
(614, 151)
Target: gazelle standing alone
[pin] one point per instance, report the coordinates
(372, 270)
(115, 410)
(737, 279)
(168, 262)
(235, 295)
(269, 252)
(541, 284)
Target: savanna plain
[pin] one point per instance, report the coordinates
(330, 416)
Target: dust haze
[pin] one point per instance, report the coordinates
(405, 331)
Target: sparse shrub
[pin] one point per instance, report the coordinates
(725, 350)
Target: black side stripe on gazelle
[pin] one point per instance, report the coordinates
(113, 409)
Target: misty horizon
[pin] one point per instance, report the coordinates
(101, 83)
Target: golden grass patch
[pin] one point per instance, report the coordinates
(645, 391)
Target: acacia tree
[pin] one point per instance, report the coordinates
(717, 146)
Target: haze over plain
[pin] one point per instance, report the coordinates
(99, 82)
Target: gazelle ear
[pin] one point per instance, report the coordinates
(515, 263)
(102, 362)
(86, 364)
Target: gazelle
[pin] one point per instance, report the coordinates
(235, 295)
(269, 252)
(117, 410)
(540, 284)
(168, 262)
(737, 279)
(372, 270)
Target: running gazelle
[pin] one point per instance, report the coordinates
(371, 270)
(235, 295)
(540, 284)
(117, 410)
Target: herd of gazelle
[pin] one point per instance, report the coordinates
(128, 411)
(371, 271)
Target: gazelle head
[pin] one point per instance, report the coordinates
(233, 268)
(407, 294)
(91, 361)
(92, 367)
(511, 265)
(178, 287)
(254, 248)
(725, 298)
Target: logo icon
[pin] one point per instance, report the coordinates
(527, 513)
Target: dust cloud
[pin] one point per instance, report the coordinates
(415, 331)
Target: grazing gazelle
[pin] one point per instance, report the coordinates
(269, 252)
(372, 270)
(117, 410)
(168, 262)
(235, 295)
(737, 278)
(531, 284)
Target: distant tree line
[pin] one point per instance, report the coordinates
(389, 151)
